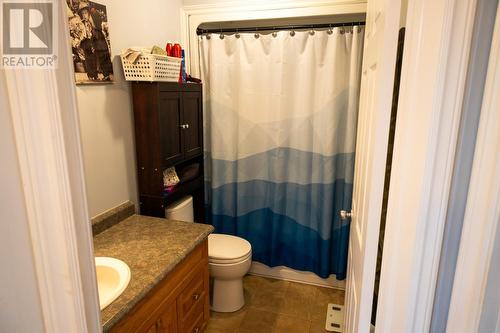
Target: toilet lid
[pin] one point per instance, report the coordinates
(227, 247)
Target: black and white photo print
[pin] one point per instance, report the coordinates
(90, 44)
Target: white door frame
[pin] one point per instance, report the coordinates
(436, 54)
(42, 104)
(482, 213)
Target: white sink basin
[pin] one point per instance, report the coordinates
(113, 276)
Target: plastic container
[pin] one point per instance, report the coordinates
(152, 67)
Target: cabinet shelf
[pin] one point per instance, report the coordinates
(183, 189)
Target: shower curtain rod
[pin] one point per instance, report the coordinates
(200, 31)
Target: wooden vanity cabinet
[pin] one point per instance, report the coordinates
(178, 304)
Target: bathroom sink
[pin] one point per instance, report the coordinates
(113, 276)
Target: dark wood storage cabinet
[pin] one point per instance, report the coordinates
(168, 121)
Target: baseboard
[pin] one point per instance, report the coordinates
(288, 274)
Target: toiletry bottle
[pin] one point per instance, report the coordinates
(177, 50)
(168, 49)
(183, 68)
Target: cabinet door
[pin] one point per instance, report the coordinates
(170, 116)
(167, 323)
(192, 294)
(153, 329)
(192, 121)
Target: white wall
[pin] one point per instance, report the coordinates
(20, 308)
(106, 116)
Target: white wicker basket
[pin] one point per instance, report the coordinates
(152, 67)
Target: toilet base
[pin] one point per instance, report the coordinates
(227, 295)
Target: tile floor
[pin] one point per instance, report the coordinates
(276, 306)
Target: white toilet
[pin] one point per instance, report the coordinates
(229, 259)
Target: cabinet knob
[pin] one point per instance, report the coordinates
(196, 296)
(142, 168)
(187, 125)
(184, 126)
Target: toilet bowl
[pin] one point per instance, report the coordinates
(229, 259)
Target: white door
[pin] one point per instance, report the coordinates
(379, 60)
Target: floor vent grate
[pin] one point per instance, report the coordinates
(335, 318)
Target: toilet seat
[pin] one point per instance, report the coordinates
(229, 261)
(227, 249)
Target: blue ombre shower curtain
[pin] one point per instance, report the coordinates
(280, 135)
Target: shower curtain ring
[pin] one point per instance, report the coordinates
(256, 35)
(292, 32)
(237, 34)
(274, 32)
(221, 36)
(330, 30)
(312, 31)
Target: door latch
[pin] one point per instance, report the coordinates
(344, 215)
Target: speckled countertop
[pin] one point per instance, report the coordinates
(151, 247)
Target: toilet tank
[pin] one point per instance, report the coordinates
(181, 210)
